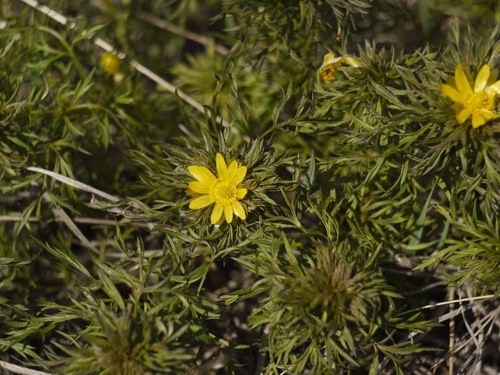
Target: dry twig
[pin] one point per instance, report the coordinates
(20, 370)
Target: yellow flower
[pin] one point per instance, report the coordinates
(110, 63)
(222, 190)
(332, 63)
(478, 101)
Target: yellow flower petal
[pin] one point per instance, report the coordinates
(199, 187)
(462, 81)
(352, 61)
(228, 213)
(216, 214)
(489, 115)
(329, 58)
(464, 114)
(201, 202)
(239, 210)
(452, 93)
(482, 78)
(239, 175)
(477, 120)
(221, 165)
(202, 174)
(231, 170)
(493, 89)
(240, 193)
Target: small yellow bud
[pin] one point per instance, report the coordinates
(332, 63)
(110, 63)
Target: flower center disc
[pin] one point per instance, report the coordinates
(478, 101)
(224, 193)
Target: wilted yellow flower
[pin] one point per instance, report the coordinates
(222, 190)
(478, 102)
(332, 63)
(110, 63)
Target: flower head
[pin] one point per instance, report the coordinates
(478, 101)
(110, 63)
(222, 190)
(332, 63)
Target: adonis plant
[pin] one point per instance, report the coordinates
(249, 187)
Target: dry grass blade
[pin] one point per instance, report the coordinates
(74, 183)
(20, 370)
(201, 39)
